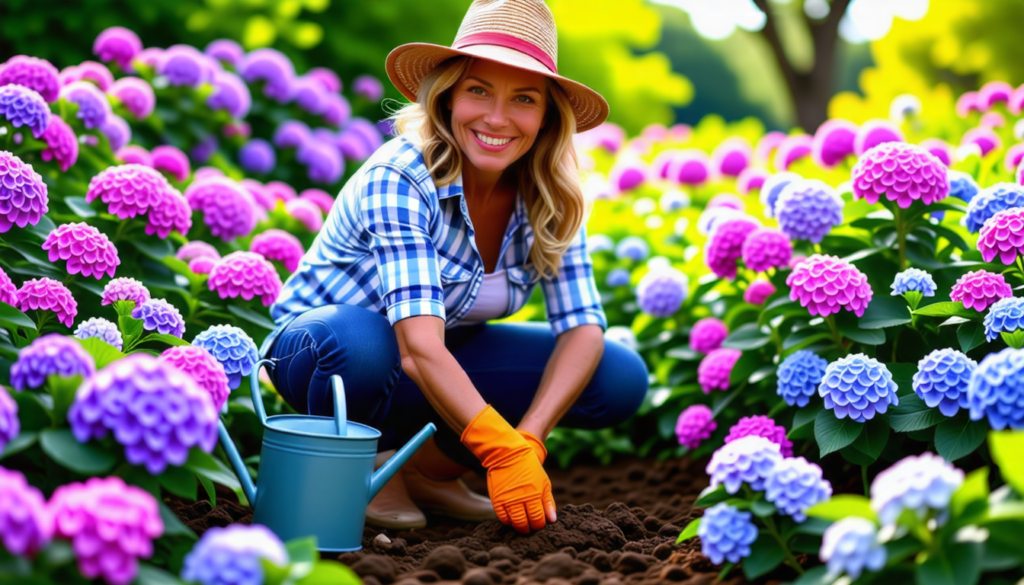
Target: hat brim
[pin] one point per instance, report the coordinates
(408, 64)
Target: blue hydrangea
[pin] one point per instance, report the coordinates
(160, 316)
(808, 209)
(726, 534)
(749, 459)
(962, 185)
(772, 188)
(913, 279)
(102, 329)
(235, 350)
(920, 483)
(1004, 316)
(662, 291)
(634, 248)
(21, 106)
(233, 555)
(990, 201)
(795, 485)
(942, 378)
(851, 545)
(617, 277)
(799, 375)
(599, 243)
(996, 389)
(858, 387)
(673, 200)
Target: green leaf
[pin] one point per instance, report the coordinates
(972, 497)
(150, 575)
(744, 367)
(689, 532)
(746, 337)
(82, 458)
(164, 338)
(816, 576)
(302, 550)
(33, 414)
(211, 492)
(873, 438)
(123, 308)
(949, 309)
(763, 509)
(913, 414)
(180, 482)
(885, 312)
(970, 335)
(1002, 549)
(865, 336)
(24, 440)
(154, 249)
(832, 434)
(80, 207)
(765, 556)
(959, 437)
(11, 318)
(842, 505)
(207, 466)
(252, 317)
(102, 352)
(172, 525)
(330, 573)
(711, 496)
(63, 391)
(955, 565)
(1007, 447)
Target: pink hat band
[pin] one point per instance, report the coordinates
(509, 42)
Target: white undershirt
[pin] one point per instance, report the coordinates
(491, 300)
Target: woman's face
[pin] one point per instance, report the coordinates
(497, 112)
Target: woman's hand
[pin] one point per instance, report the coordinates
(536, 444)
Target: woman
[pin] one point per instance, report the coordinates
(444, 228)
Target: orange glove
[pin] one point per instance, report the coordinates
(519, 488)
(536, 444)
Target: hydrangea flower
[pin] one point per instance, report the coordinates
(716, 367)
(91, 71)
(996, 390)
(202, 264)
(726, 534)
(627, 174)
(732, 156)
(257, 156)
(307, 212)
(324, 163)
(22, 106)
(228, 209)
(984, 138)
(730, 200)
(749, 460)
(291, 134)
(962, 186)
(149, 57)
(918, 483)
(772, 188)
(695, 424)
(235, 350)
(994, 92)
(134, 154)
(617, 277)
(662, 291)
(799, 376)
(185, 65)
(171, 213)
(160, 316)
(792, 149)
(128, 190)
(851, 545)
(707, 335)
(725, 246)
(23, 194)
(204, 369)
(942, 379)
(990, 201)
(117, 131)
(230, 94)
(195, 249)
(281, 191)
(125, 289)
(875, 132)
(795, 485)
(136, 95)
(689, 167)
(246, 275)
(173, 161)
(1002, 235)
(9, 428)
(275, 244)
(966, 103)
(36, 74)
(233, 555)
(979, 289)
(86, 250)
(226, 50)
(61, 144)
(902, 172)
(768, 143)
(710, 219)
(633, 248)
(767, 248)
(93, 106)
(327, 78)
(913, 279)
(369, 87)
(26, 525)
(310, 95)
(858, 387)
(8, 292)
(751, 178)
(323, 200)
(757, 292)
(833, 142)
(271, 67)
(100, 328)
(939, 149)
(117, 44)
(47, 294)
(1005, 316)
(50, 355)
(825, 284)
(761, 426)
(338, 112)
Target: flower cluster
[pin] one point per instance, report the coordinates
(246, 275)
(795, 485)
(47, 294)
(996, 389)
(50, 355)
(757, 292)
(825, 284)
(1005, 316)
(61, 144)
(228, 209)
(633, 248)
(22, 106)
(761, 426)
(807, 209)
(851, 545)
(23, 194)
(10, 426)
(799, 376)
(128, 190)
(902, 172)
(725, 246)
(858, 387)
(695, 424)
(772, 188)
(125, 289)
(100, 328)
(767, 248)
(979, 289)
(942, 379)
(160, 316)
(747, 460)
(235, 350)
(716, 367)
(1002, 235)
(918, 483)
(203, 368)
(913, 279)
(85, 248)
(233, 555)
(36, 74)
(707, 335)
(26, 525)
(991, 201)
(662, 291)
(726, 533)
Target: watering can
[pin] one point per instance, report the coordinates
(316, 473)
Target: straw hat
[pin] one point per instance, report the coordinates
(517, 33)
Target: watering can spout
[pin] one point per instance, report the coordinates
(392, 465)
(248, 488)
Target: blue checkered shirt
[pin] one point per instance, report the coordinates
(396, 243)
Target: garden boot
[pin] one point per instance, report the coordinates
(447, 497)
(391, 507)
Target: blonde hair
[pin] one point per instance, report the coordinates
(548, 174)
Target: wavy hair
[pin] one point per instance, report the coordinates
(548, 174)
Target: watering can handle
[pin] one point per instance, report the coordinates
(257, 397)
(340, 412)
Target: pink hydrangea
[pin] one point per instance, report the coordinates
(228, 209)
(136, 95)
(732, 156)
(86, 250)
(125, 289)
(979, 289)
(792, 149)
(327, 78)
(171, 213)
(707, 335)
(689, 167)
(61, 144)
(985, 138)
(875, 132)
(627, 174)
(259, 193)
(307, 212)
(1012, 159)
(716, 367)
(725, 246)
(207, 172)
(275, 244)
(761, 426)
(196, 249)
(904, 173)
(757, 292)
(833, 142)
(751, 178)
(730, 200)
(967, 103)
(246, 275)
(322, 199)
(992, 120)
(281, 191)
(204, 369)
(1003, 235)
(8, 292)
(97, 73)
(26, 525)
(825, 284)
(767, 248)
(128, 190)
(202, 264)
(36, 74)
(117, 44)
(939, 149)
(135, 155)
(695, 424)
(171, 160)
(47, 294)
(994, 92)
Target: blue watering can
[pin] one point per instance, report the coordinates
(316, 473)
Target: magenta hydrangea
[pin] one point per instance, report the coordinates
(994, 92)
(93, 106)
(34, 73)
(90, 71)
(228, 209)
(792, 149)
(26, 525)
(202, 264)
(22, 106)
(23, 194)
(875, 132)
(275, 244)
(10, 426)
(47, 294)
(260, 193)
(8, 291)
(111, 526)
(767, 248)
(369, 87)
(204, 369)
(689, 167)
(160, 316)
(725, 245)
(751, 178)
(171, 213)
(322, 199)
(695, 424)
(732, 156)
(50, 355)
(626, 175)
(306, 212)
(1002, 235)
(230, 94)
(833, 142)
(84, 248)
(134, 154)
(196, 249)
(125, 289)
(939, 149)
(246, 275)
(757, 292)
(271, 67)
(761, 426)
(338, 111)
(979, 289)
(708, 334)
(985, 138)
(902, 172)
(136, 94)
(327, 78)
(226, 50)
(281, 191)
(825, 284)
(128, 190)
(61, 144)
(171, 160)
(716, 367)
(117, 44)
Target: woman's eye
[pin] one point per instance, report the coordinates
(525, 99)
(477, 90)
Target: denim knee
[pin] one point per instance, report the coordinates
(629, 382)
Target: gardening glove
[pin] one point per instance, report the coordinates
(536, 444)
(519, 488)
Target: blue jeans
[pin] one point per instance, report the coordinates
(504, 361)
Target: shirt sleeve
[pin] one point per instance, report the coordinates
(571, 296)
(397, 217)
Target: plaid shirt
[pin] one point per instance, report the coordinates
(397, 244)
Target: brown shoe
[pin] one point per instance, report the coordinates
(450, 498)
(392, 507)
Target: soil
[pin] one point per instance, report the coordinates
(616, 525)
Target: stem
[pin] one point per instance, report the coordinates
(1020, 267)
(790, 560)
(864, 480)
(901, 237)
(835, 331)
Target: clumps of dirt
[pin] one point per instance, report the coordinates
(201, 516)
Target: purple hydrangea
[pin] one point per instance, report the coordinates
(799, 376)
(825, 284)
(136, 95)
(1005, 316)
(61, 144)
(93, 106)
(275, 244)
(26, 525)
(9, 426)
(979, 289)
(807, 209)
(858, 387)
(160, 316)
(749, 460)
(1002, 235)
(833, 142)
(983, 137)
(291, 134)
(23, 194)
(149, 57)
(47, 294)
(633, 248)
(990, 201)
(246, 275)
(716, 367)
(327, 78)
(171, 213)
(100, 328)
(851, 545)
(707, 335)
(918, 483)
(173, 161)
(85, 248)
(271, 67)
(226, 50)
(732, 156)
(8, 291)
(125, 289)
(942, 379)
(117, 44)
(730, 200)
(726, 534)
(235, 350)
(22, 106)
(257, 156)
(695, 424)
(795, 485)
(263, 196)
(369, 87)
(757, 292)
(913, 279)
(196, 249)
(873, 133)
(233, 555)
(91, 71)
(50, 355)
(617, 277)
(128, 190)
(792, 149)
(185, 65)
(310, 95)
(902, 172)
(662, 291)
(725, 245)
(996, 389)
(767, 248)
(117, 131)
(202, 152)
(751, 178)
(338, 112)
(362, 134)
(228, 209)
(110, 525)
(322, 199)
(324, 163)
(230, 94)
(36, 74)
(200, 365)
(772, 188)
(761, 426)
